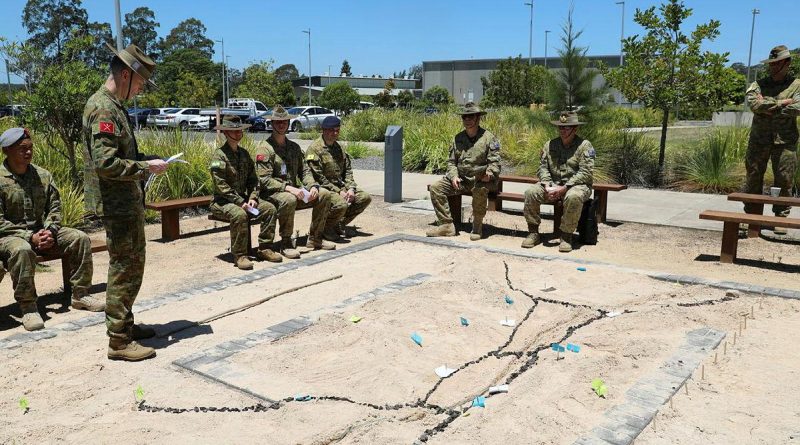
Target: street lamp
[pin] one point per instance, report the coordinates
(530, 34)
(308, 31)
(227, 77)
(621, 32)
(545, 47)
(750, 53)
(224, 73)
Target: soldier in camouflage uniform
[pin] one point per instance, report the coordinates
(333, 171)
(114, 171)
(30, 224)
(565, 173)
(285, 177)
(474, 165)
(236, 190)
(775, 102)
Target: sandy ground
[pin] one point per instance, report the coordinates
(749, 396)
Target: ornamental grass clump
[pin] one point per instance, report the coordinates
(717, 165)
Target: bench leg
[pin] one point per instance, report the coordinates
(496, 203)
(753, 230)
(730, 241)
(455, 208)
(170, 224)
(602, 206)
(250, 250)
(65, 268)
(558, 212)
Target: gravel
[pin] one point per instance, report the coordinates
(368, 163)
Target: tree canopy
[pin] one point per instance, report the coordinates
(515, 83)
(339, 96)
(140, 29)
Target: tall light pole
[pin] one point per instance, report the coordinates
(224, 73)
(329, 74)
(621, 32)
(308, 31)
(750, 53)
(227, 76)
(530, 34)
(119, 25)
(545, 47)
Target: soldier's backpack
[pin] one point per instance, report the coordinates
(587, 225)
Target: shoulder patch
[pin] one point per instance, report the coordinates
(106, 127)
(495, 145)
(216, 165)
(311, 157)
(260, 158)
(591, 153)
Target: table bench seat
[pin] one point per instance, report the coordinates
(730, 228)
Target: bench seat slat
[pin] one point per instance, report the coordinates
(764, 199)
(748, 218)
(179, 203)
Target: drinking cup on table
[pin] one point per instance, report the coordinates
(775, 191)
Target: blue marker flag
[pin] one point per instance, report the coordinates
(554, 346)
(479, 401)
(582, 269)
(416, 338)
(573, 348)
(509, 300)
(560, 348)
(464, 322)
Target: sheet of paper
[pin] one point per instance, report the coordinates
(498, 389)
(306, 195)
(174, 158)
(253, 211)
(443, 371)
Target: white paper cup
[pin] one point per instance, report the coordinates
(775, 191)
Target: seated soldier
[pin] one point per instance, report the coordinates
(565, 173)
(288, 184)
(236, 191)
(474, 165)
(30, 224)
(333, 171)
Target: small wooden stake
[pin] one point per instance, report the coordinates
(753, 312)
(760, 303)
(715, 358)
(725, 348)
(734, 339)
(740, 329)
(702, 372)
(670, 403)
(745, 321)
(686, 388)
(654, 421)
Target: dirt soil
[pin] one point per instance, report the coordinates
(748, 396)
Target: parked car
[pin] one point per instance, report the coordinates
(176, 117)
(10, 110)
(242, 107)
(260, 123)
(151, 118)
(307, 117)
(200, 123)
(139, 116)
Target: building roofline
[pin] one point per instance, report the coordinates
(601, 56)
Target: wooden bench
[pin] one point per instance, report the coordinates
(730, 228)
(97, 246)
(170, 213)
(758, 202)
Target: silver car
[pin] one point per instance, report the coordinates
(307, 117)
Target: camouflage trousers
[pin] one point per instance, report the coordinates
(20, 260)
(535, 196)
(784, 164)
(126, 256)
(238, 218)
(340, 212)
(443, 188)
(286, 204)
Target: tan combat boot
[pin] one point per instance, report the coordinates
(533, 237)
(32, 321)
(88, 302)
(477, 230)
(442, 230)
(269, 255)
(128, 351)
(288, 250)
(243, 263)
(566, 243)
(320, 244)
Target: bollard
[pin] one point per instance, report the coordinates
(393, 164)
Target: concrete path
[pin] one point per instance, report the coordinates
(645, 206)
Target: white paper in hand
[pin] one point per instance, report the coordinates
(253, 211)
(443, 371)
(306, 195)
(174, 158)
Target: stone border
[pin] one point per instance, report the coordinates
(624, 422)
(21, 338)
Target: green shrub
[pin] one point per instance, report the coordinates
(716, 165)
(625, 157)
(358, 150)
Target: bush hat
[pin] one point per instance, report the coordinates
(331, 122)
(12, 136)
(231, 123)
(280, 114)
(567, 119)
(136, 60)
(778, 53)
(470, 108)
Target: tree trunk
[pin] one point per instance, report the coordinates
(663, 146)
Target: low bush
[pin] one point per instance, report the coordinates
(717, 165)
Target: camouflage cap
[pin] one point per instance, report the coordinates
(280, 114)
(778, 53)
(567, 119)
(136, 60)
(470, 108)
(232, 123)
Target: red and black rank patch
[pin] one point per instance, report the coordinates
(106, 127)
(260, 158)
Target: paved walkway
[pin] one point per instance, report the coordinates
(646, 206)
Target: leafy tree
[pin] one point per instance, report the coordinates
(171, 68)
(415, 71)
(384, 98)
(193, 91)
(515, 83)
(140, 29)
(189, 34)
(261, 84)
(287, 72)
(665, 68)
(93, 50)
(405, 98)
(438, 95)
(339, 96)
(794, 69)
(346, 69)
(572, 85)
(285, 94)
(25, 60)
(50, 24)
(304, 100)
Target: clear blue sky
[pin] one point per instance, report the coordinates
(380, 37)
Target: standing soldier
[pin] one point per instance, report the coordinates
(474, 166)
(236, 192)
(333, 171)
(30, 223)
(287, 183)
(565, 173)
(775, 102)
(114, 170)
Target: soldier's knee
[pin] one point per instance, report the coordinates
(366, 199)
(535, 193)
(237, 215)
(23, 251)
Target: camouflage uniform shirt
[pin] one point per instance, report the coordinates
(572, 165)
(234, 176)
(771, 127)
(113, 167)
(471, 158)
(278, 167)
(330, 166)
(28, 202)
